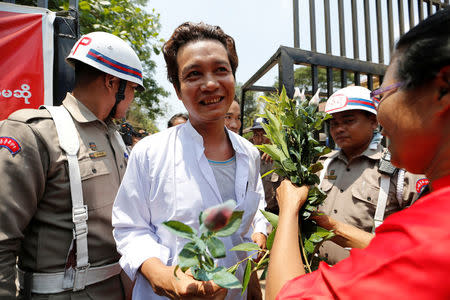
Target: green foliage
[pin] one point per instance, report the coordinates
(245, 247)
(198, 255)
(303, 78)
(295, 150)
(252, 105)
(129, 20)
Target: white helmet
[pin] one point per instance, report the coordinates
(351, 97)
(110, 54)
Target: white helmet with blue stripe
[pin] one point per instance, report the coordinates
(351, 97)
(110, 54)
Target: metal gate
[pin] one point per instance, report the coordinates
(363, 69)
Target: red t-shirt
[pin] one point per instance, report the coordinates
(409, 258)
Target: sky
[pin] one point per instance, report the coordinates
(258, 27)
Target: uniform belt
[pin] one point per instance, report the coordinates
(52, 283)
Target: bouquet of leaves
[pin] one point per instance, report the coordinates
(205, 246)
(294, 150)
(292, 128)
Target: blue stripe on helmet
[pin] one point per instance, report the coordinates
(114, 65)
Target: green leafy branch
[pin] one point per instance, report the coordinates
(292, 129)
(204, 247)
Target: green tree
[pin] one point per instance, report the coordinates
(252, 105)
(128, 20)
(303, 78)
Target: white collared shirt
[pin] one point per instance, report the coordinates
(169, 178)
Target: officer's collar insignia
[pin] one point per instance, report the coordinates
(10, 144)
(421, 183)
(93, 146)
(331, 175)
(97, 154)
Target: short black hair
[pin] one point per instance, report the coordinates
(176, 116)
(424, 50)
(191, 32)
(84, 74)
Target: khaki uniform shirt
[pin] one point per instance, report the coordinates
(352, 193)
(35, 202)
(270, 184)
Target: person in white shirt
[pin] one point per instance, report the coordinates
(175, 174)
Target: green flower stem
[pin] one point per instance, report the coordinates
(239, 262)
(305, 257)
(200, 261)
(267, 252)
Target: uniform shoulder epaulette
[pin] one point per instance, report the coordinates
(27, 115)
(329, 154)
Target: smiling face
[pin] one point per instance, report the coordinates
(407, 118)
(206, 81)
(352, 130)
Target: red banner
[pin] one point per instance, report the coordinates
(24, 80)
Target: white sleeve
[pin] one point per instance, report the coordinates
(259, 223)
(134, 232)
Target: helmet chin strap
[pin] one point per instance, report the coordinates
(120, 95)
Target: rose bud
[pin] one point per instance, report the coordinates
(216, 217)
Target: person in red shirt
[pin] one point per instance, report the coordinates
(408, 257)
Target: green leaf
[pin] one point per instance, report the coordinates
(180, 229)
(273, 151)
(84, 5)
(315, 238)
(309, 246)
(187, 259)
(288, 164)
(233, 269)
(245, 247)
(271, 217)
(247, 275)
(226, 279)
(199, 244)
(271, 238)
(216, 247)
(232, 226)
(200, 274)
(200, 218)
(268, 173)
(264, 273)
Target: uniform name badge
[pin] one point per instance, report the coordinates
(331, 175)
(97, 154)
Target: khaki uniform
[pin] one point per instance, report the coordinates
(35, 202)
(270, 184)
(352, 193)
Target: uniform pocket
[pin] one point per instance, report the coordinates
(91, 168)
(366, 193)
(362, 211)
(99, 187)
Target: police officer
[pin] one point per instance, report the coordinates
(362, 186)
(61, 168)
(271, 181)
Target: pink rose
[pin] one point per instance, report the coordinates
(216, 217)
